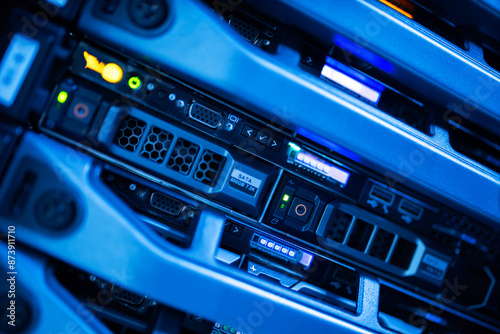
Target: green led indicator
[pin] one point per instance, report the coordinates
(282, 206)
(134, 82)
(294, 146)
(62, 97)
(286, 198)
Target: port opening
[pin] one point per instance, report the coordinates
(166, 204)
(118, 308)
(406, 314)
(382, 195)
(360, 235)
(249, 22)
(476, 143)
(492, 57)
(170, 217)
(403, 253)
(410, 209)
(205, 115)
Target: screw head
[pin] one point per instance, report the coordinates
(148, 14)
(56, 210)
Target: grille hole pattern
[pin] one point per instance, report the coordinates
(183, 156)
(129, 134)
(382, 244)
(166, 204)
(341, 221)
(248, 32)
(209, 168)
(157, 144)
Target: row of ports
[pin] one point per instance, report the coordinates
(386, 197)
(343, 227)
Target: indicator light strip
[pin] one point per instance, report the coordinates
(266, 243)
(350, 83)
(396, 8)
(318, 165)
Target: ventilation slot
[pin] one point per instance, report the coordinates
(250, 33)
(166, 204)
(360, 235)
(183, 156)
(403, 253)
(340, 223)
(476, 143)
(209, 168)
(157, 144)
(381, 244)
(204, 115)
(492, 57)
(130, 133)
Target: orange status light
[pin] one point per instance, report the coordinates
(111, 72)
(385, 2)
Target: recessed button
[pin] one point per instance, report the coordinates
(274, 143)
(248, 132)
(236, 230)
(300, 209)
(308, 60)
(262, 138)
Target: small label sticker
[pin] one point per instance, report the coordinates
(15, 65)
(244, 182)
(434, 266)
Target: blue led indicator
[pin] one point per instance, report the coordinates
(363, 53)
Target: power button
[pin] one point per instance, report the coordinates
(300, 209)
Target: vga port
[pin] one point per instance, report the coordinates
(204, 115)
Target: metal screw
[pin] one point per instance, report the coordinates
(150, 86)
(132, 186)
(172, 97)
(180, 104)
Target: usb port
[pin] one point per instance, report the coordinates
(410, 209)
(382, 195)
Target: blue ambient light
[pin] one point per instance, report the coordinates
(363, 53)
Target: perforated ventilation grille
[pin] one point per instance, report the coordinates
(248, 32)
(204, 115)
(209, 168)
(183, 156)
(382, 244)
(166, 204)
(341, 221)
(157, 144)
(129, 134)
